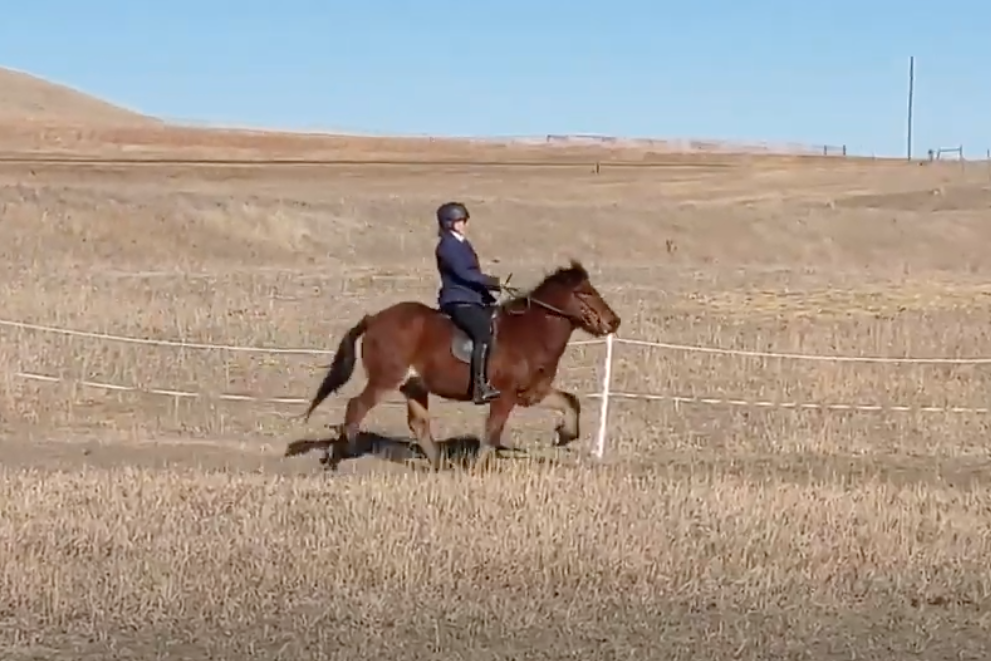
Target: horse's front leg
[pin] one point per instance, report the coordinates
(499, 411)
(568, 429)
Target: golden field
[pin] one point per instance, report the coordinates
(138, 525)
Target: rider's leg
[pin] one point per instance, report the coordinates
(475, 320)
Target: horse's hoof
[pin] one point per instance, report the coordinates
(562, 437)
(330, 460)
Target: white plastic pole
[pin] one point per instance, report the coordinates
(600, 442)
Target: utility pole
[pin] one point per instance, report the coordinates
(911, 102)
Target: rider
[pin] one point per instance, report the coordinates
(465, 293)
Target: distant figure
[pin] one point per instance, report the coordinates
(465, 293)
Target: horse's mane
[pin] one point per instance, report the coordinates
(567, 277)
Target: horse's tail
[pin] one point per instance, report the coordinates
(342, 367)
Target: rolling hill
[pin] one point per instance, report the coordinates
(24, 97)
(39, 116)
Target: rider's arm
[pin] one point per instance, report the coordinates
(458, 260)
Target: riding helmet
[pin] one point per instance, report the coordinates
(450, 213)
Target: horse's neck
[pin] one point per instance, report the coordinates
(554, 331)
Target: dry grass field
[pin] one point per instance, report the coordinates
(136, 525)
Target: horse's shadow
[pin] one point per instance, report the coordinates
(461, 451)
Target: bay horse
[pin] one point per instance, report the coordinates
(417, 350)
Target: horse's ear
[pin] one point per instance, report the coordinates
(576, 266)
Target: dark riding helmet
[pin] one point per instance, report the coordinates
(450, 213)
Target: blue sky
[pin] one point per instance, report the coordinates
(818, 72)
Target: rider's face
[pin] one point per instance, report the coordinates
(460, 226)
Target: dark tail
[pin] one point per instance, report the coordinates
(341, 368)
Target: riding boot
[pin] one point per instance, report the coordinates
(482, 390)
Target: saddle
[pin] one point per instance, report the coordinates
(462, 345)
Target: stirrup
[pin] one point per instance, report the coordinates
(485, 394)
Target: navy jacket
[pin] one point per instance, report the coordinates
(461, 278)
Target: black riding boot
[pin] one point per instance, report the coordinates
(482, 390)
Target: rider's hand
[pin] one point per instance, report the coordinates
(512, 291)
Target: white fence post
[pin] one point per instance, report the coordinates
(600, 442)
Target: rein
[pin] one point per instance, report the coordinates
(512, 291)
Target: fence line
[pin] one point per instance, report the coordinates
(641, 396)
(603, 396)
(163, 343)
(691, 348)
(694, 146)
(938, 153)
(168, 392)
(795, 406)
(806, 356)
(182, 344)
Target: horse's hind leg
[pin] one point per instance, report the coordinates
(358, 407)
(418, 418)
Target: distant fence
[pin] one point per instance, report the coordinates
(694, 146)
(594, 162)
(940, 153)
(956, 155)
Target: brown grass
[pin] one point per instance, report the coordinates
(139, 526)
(24, 97)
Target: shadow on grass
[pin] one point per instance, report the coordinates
(460, 451)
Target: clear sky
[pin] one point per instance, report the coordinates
(779, 70)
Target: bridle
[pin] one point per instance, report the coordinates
(530, 300)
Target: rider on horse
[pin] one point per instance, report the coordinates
(465, 293)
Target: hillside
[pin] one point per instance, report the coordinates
(38, 116)
(24, 97)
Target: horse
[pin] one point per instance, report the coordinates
(417, 350)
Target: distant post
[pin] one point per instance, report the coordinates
(911, 101)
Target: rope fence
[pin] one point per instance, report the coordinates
(605, 395)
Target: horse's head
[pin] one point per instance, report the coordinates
(569, 292)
